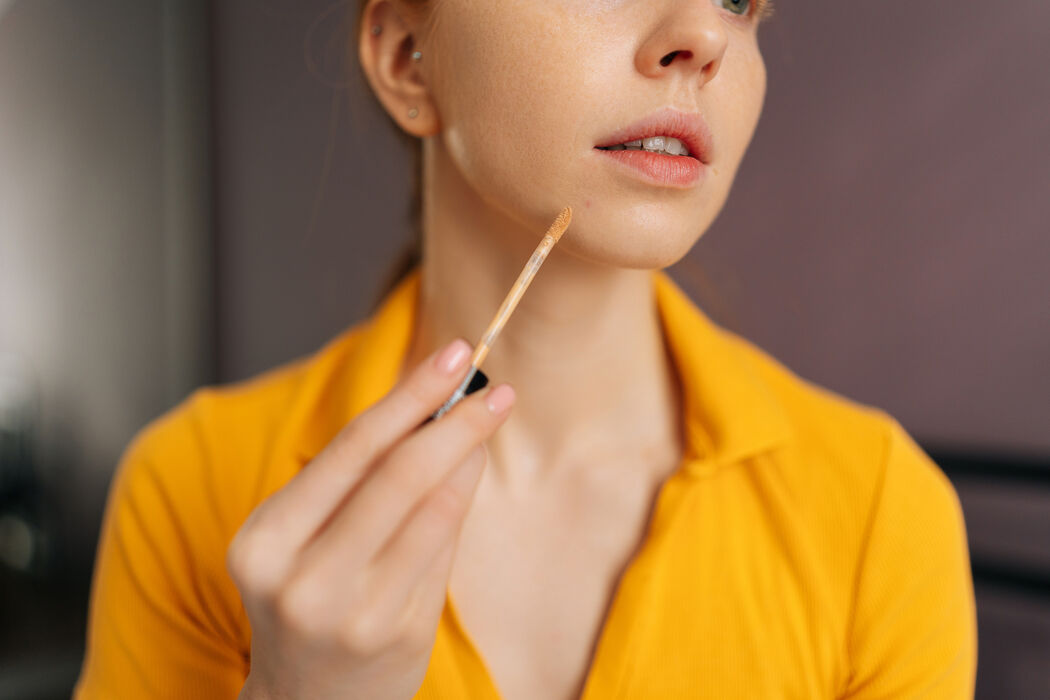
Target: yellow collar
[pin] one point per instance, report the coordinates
(730, 412)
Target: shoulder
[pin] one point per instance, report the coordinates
(225, 447)
(185, 483)
(856, 444)
(855, 475)
(886, 534)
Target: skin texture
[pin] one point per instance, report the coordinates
(512, 96)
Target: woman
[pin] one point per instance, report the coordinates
(665, 511)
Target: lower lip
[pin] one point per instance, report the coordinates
(660, 169)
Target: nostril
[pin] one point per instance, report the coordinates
(666, 60)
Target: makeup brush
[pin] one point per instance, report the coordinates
(475, 378)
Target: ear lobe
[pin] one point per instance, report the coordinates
(396, 79)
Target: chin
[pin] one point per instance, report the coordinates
(649, 239)
(627, 249)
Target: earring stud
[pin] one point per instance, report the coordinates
(417, 56)
(413, 113)
(376, 30)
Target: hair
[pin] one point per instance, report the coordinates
(412, 254)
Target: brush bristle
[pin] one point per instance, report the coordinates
(560, 224)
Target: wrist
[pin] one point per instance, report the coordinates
(252, 691)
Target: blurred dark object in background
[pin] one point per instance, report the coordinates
(22, 544)
(41, 614)
(105, 299)
(1006, 502)
(193, 192)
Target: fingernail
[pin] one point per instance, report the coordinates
(500, 399)
(454, 356)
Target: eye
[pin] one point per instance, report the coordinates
(738, 7)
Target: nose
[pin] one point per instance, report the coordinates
(690, 40)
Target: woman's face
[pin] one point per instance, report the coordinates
(527, 90)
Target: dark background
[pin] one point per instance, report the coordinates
(193, 192)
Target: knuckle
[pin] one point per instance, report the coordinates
(237, 562)
(300, 608)
(250, 564)
(417, 636)
(364, 633)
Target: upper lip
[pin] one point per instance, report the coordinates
(688, 127)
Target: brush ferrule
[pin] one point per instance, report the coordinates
(475, 380)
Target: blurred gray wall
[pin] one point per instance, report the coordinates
(105, 244)
(312, 186)
(887, 236)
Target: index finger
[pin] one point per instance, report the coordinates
(306, 502)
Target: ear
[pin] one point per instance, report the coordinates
(395, 78)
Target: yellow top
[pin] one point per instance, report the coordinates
(805, 548)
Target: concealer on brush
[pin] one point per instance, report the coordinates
(475, 378)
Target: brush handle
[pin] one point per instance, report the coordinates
(510, 302)
(475, 378)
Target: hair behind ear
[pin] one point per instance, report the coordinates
(412, 253)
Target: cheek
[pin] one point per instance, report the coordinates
(514, 90)
(742, 98)
(522, 88)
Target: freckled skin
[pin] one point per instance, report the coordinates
(526, 88)
(510, 99)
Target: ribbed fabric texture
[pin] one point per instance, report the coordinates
(805, 548)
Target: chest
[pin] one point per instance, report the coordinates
(534, 578)
(711, 596)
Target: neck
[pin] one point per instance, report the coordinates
(584, 349)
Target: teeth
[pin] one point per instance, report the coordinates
(675, 145)
(654, 144)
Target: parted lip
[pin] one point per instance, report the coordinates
(688, 127)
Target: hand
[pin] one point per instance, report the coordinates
(344, 571)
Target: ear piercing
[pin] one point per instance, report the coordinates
(417, 56)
